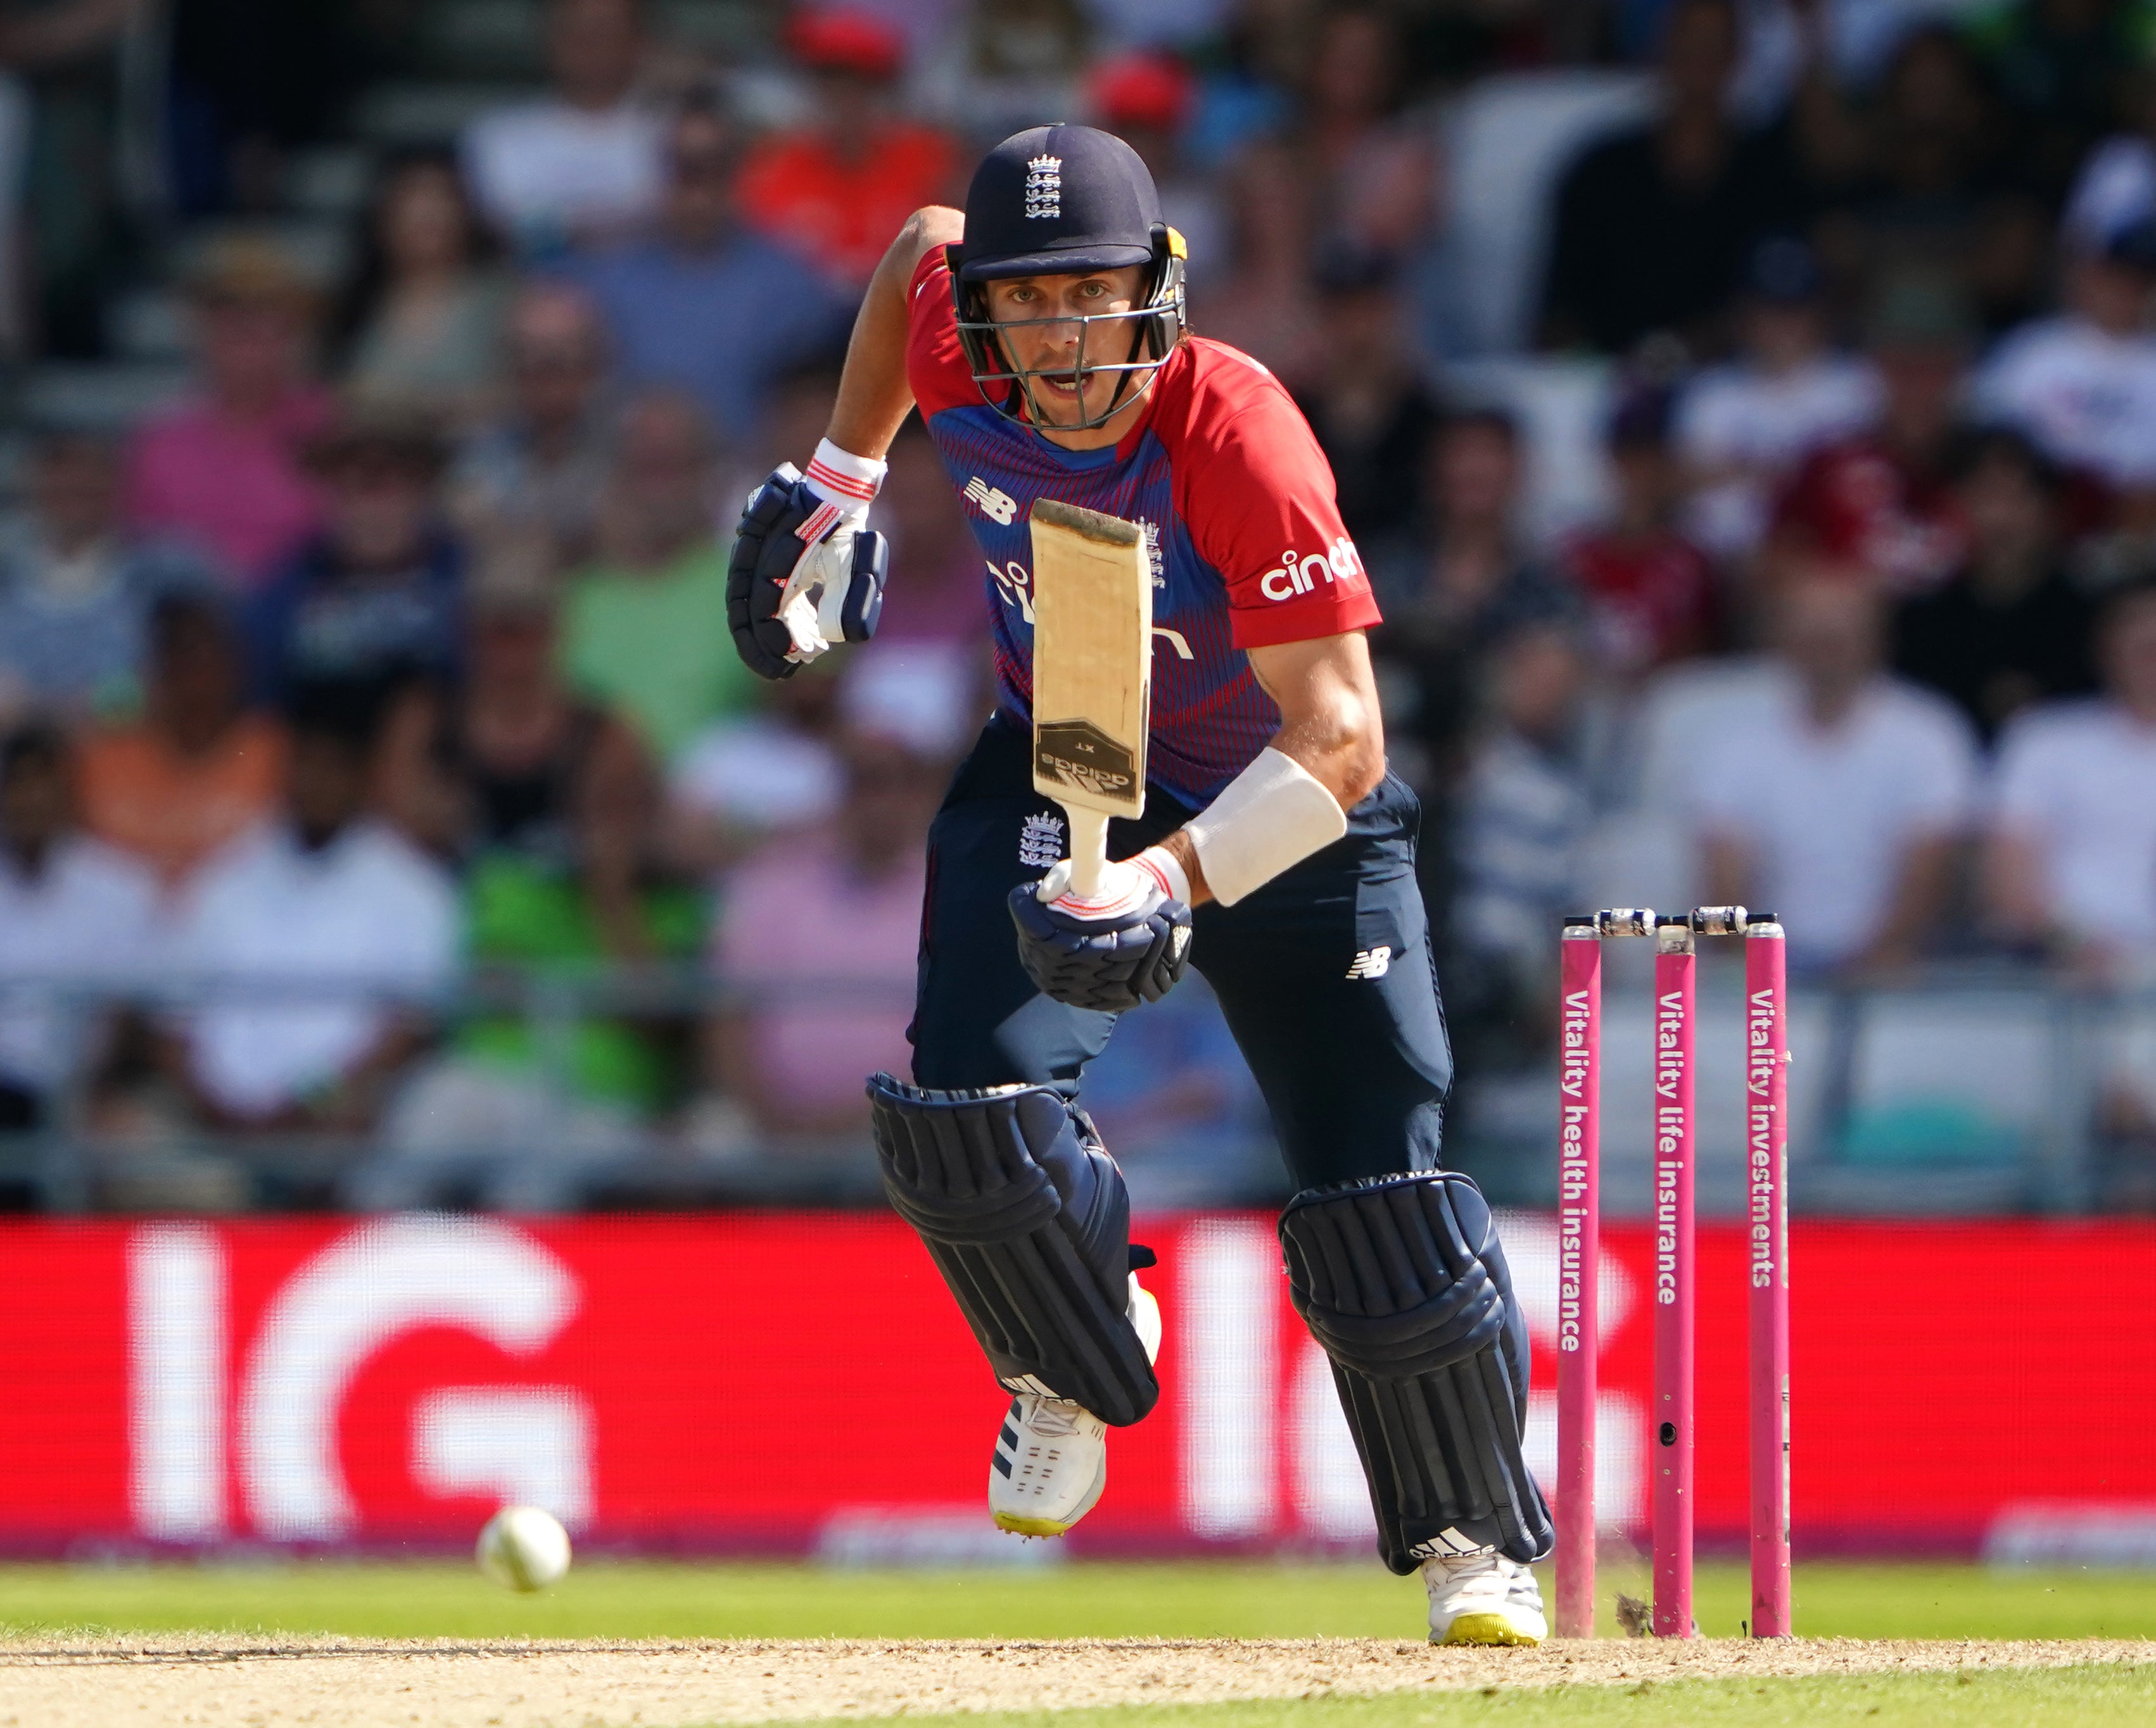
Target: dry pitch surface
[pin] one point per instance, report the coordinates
(338, 1683)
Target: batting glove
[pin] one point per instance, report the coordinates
(1128, 944)
(805, 572)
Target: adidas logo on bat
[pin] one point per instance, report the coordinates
(1081, 755)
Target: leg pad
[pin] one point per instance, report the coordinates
(1027, 1218)
(1401, 1282)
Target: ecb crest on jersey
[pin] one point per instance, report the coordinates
(1043, 186)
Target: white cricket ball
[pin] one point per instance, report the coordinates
(523, 1548)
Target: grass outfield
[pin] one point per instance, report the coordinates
(1210, 1599)
(2057, 1698)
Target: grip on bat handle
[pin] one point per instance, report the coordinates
(1089, 850)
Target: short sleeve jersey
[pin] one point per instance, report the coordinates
(1235, 498)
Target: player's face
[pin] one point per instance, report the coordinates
(1051, 350)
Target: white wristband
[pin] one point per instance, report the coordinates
(1167, 870)
(839, 477)
(1273, 815)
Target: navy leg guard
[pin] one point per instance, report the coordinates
(1026, 1217)
(1401, 1282)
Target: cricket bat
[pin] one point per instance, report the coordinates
(1092, 674)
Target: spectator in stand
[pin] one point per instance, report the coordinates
(199, 768)
(1652, 226)
(1464, 576)
(419, 324)
(75, 587)
(1744, 427)
(1373, 177)
(702, 304)
(644, 629)
(542, 467)
(585, 160)
(375, 600)
(839, 188)
(2116, 187)
(222, 473)
(1449, 590)
(72, 912)
(820, 934)
(1003, 65)
(2058, 66)
(771, 770)
(1842, 797)
(342, 929)
(1146, 99)
(1371, 414)
(2083, 384)
(1947, 194)
(570, 895)
(1262, 302)
(2010, 628)
(2070, 860)
(1884, 502)
(936, 597)
(1526, 806)
(1649, 592)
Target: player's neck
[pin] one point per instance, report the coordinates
(1109, 431)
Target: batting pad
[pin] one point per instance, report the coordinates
(1027, 1218)
(1402, 1283)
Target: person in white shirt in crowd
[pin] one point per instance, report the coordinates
(2069, 863)
(1840, 797)
(586, 161)
(74, 915)
(319, 940)
(2082, 384)
(2070, 858)
(1744, 428)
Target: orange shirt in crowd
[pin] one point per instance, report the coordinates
(843, 211)
(171, 810)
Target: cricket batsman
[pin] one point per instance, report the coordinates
(1040, 332)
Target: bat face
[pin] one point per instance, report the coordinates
(1092, 658)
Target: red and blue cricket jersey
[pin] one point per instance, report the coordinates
(1236, 499)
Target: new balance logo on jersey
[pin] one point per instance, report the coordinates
(1371, 963)
(1298, 575)
(997, 505)
(1043, 186)
(1040, 841)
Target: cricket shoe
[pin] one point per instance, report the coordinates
(1051, 1463)
(1484, 1599)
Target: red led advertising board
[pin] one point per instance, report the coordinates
(670, 1384)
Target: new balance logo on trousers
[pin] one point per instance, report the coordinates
(1372, 962)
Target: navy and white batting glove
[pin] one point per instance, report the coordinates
(1126, 945)
(806, 571)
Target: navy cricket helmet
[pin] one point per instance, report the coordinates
(1065, 200)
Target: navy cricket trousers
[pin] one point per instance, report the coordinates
(1324, 974)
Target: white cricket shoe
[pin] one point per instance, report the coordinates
(1051, 1463)
(1484, 1599)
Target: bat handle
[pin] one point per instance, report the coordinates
(1089, 850)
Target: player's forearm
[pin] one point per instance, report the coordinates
(1328, 756)
(873, 396)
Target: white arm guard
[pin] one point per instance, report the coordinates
(1273, 815)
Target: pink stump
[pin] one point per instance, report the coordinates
(1580, 1245)
(1676, 1285)
(1766, 1142)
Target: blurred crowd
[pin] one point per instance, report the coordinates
(372, 708)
